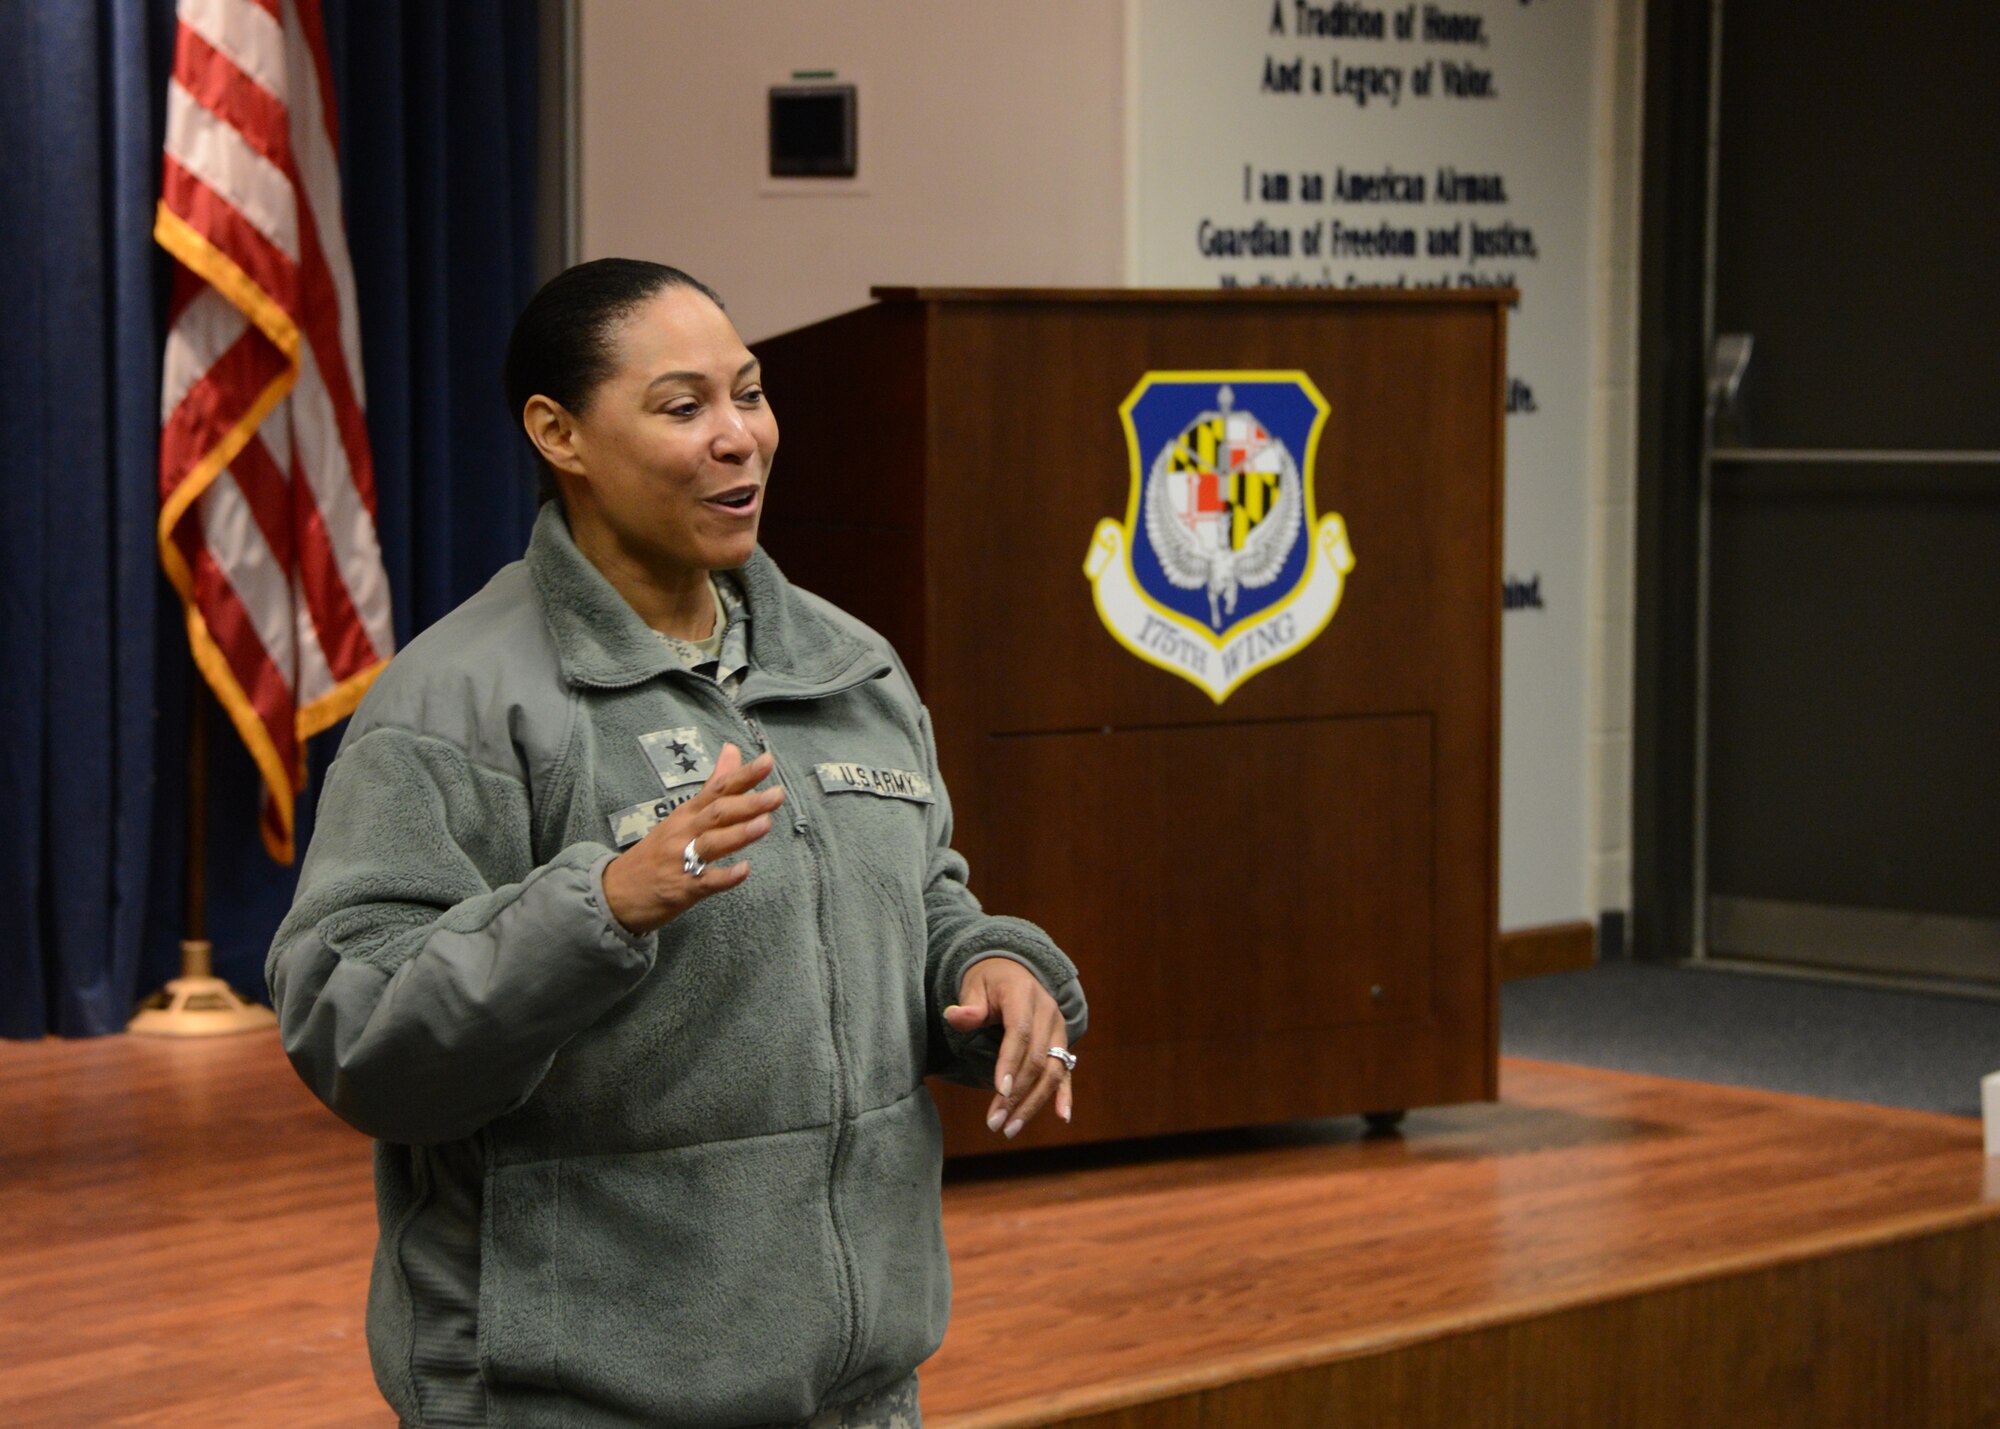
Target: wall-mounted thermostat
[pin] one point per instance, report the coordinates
(812, 131)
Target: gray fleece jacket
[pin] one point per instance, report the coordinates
(684, 1179)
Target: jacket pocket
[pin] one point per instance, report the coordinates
(890, 1201)
(695, 1285)
(518, 1294)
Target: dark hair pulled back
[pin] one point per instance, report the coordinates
(561, 347)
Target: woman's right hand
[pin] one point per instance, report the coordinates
(647, 886)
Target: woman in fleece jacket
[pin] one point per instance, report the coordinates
(631, 926)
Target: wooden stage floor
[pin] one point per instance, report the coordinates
(186, 1235)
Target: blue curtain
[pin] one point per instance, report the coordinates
(437, 109)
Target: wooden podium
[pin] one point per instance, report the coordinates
(1284, 904)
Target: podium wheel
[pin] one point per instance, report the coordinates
(1383, 1123)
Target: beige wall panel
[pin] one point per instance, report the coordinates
(991, 146)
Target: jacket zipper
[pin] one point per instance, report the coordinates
(849, 1274)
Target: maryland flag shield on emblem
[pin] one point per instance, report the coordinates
(1221, 567)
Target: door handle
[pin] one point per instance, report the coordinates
(1726, 366)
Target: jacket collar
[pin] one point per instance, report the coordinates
(796, 652)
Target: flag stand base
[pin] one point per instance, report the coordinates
(198, 1004)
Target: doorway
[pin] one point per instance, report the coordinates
(1840, 761)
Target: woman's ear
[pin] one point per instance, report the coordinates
(553, 431)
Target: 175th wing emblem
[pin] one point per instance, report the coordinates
(1220, 569)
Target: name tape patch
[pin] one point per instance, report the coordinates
(629, 825)
(866, 779)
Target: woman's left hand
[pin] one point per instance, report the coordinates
(1000, 990)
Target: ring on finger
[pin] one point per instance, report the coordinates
(691, 862)
(1065, 1056)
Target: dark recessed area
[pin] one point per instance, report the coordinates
(812, 131)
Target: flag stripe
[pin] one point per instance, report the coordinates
(276, 436)
(205, 329)
(275, 274)
(215, 82)
(223, 160)
(252, 569)
(292, 528)
(315, 681)
(182, 292)
(344, 641)
(319, 302)
(214, 405)
(318, 454)
(248, 33)
(256, 676)
(267, 494)
(307, 22)
(318, 158)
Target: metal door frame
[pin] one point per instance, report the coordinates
(1671, 913)
(1705, 486)
(1676, 233)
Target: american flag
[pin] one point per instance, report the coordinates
(267, 491)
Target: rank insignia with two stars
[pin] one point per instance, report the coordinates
(678, 755)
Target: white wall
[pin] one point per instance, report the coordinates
(1621, 69)
(991, 145)
(1234, 98)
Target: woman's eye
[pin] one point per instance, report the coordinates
(683, 409)
(751, 396)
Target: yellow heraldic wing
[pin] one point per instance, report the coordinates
(1270, 540)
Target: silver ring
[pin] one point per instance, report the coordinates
(1065, 1056)
(691, 863)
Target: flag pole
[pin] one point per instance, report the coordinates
(198, 1003)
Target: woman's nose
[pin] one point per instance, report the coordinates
(733, 440)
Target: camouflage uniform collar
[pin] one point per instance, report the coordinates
(732, 653)
(791, 649)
